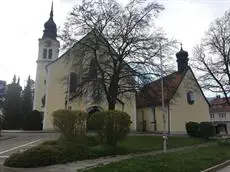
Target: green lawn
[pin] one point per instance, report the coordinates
(149, 143)
(192, 160)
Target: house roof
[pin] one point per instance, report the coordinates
(150, 94)
(219, 105)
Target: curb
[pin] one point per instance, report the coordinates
(7, 138)
(217, 167)
(22, 131)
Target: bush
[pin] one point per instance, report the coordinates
(192, 129)
(62, 150)
(33, 121)
(70, 123)
(48, 153)
(206, 130)
(112, 126)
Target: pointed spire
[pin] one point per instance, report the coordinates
(51, 12)
(181, 46)
(50, 27)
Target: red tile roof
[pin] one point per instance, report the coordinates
(219, 105)
(150, 94)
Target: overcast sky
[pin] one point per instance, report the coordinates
(22, 25)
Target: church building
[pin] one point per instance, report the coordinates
(53, 88)
(183, 98)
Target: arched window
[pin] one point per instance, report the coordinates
(44, 53)
(73, 81)
(50, 53)
(190, 97)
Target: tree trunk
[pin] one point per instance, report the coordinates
(111, 105)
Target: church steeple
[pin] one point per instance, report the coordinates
(182, 60)
(52, 9)
(50, 27)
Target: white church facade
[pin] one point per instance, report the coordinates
(52, 85)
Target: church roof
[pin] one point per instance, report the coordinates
(150, 94)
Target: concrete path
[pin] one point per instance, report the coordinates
(72, 167)
(225, 169)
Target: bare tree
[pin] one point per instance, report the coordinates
(212, 57)
(124, 47)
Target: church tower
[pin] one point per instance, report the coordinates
(48, 51)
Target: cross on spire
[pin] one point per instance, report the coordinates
(51, 12)
(181, 46)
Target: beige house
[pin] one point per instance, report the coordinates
(220, 115)
(53, 79)
(183, 98)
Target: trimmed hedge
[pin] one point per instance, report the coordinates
(203, 130)
(33, 121)
(70, 123)
(206, 130)
(192, 129)
(112, 126)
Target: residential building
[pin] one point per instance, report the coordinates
(220, 115)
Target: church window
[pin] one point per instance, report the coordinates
(44, 81)
(44, 53)
(190, 97)
(50, 53)
(73, 79)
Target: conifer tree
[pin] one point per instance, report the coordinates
(12, 106)
(27, 102)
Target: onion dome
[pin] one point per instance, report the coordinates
(182, 60)
(50, 27)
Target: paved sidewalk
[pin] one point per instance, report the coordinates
(84, 164)
(225, 169)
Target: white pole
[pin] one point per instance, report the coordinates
(163, 105)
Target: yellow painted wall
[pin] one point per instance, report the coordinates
(147, 115)
(55, 93)
(182, 112)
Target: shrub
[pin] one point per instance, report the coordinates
(80, 126)
(112, 126)
(192, 129)
(206, 130)
(38, 156)
(48, 153)
(70, 123)
(33, 121)
(62, 150)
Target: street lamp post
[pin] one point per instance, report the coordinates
(163, 105)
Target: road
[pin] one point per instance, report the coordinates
(20, 141)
